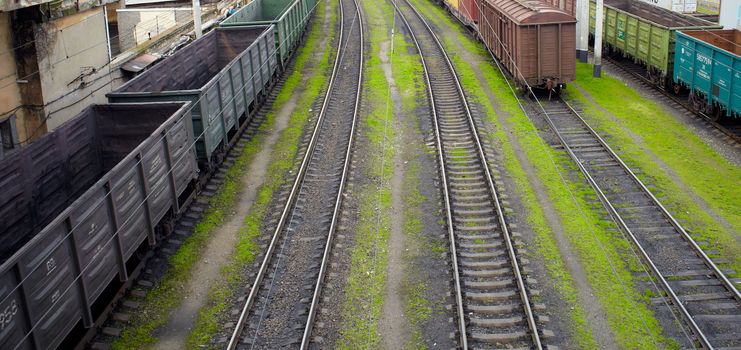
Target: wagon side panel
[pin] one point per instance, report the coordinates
(51, 291)
(13, 318)
(128, 193)
(154, 161)
(93, 237)
(568, 52)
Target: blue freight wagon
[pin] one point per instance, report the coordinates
(224, 74)
(708, 64)
(288, 16)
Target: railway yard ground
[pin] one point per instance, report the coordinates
(420, 200)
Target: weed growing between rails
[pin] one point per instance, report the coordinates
(598, 247)
(646, 135)
(364, 290)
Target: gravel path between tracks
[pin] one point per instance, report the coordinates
(393, 323)
(222, 241)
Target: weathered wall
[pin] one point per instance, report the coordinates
(20, 89)
(10, 95)
(54, 8)
(730, 14)
(136, 26)
(74, 72)
(10, 5)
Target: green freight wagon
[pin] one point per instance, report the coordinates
(708, 63)
(288, 16)
(224, 74)
(644, 33)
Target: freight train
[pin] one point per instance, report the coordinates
(534, 40)
(79, 206)
(679, 53)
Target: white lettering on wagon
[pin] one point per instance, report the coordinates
(51, 265)
(704, 59)
(55, 296)
(6, 316)
(156, 161)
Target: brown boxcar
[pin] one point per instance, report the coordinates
(469, 9)
(569, 6)
(466, 11)
(535, 41)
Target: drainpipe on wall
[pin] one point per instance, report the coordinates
(107, 33)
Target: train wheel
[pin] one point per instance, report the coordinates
(677, 89)
(716, 113)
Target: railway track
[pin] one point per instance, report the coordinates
(281, 306)
(707, 302)
(493, 301)
(731, 129)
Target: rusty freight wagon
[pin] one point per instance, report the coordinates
(569, 6)
(466, 11)
(223, 74)
(74, 207)
(535, 41)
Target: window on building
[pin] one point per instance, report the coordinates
(8, 135)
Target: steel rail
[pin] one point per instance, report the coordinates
(234, 340)
(624, 226)
(336, 212)
(485, 165)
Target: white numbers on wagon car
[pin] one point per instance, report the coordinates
(51, 265)
(55, 296)
(6, 316)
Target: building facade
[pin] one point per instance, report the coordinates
(55, 60)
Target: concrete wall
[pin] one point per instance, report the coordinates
(20, 88)
(137, 26)
(74, 72)
(730, 14)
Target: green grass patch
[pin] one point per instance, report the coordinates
(586, 232)
(418, 305)
(169, 291)
(700, 168)
(417, 308)
(365, 289)
(282, 160)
